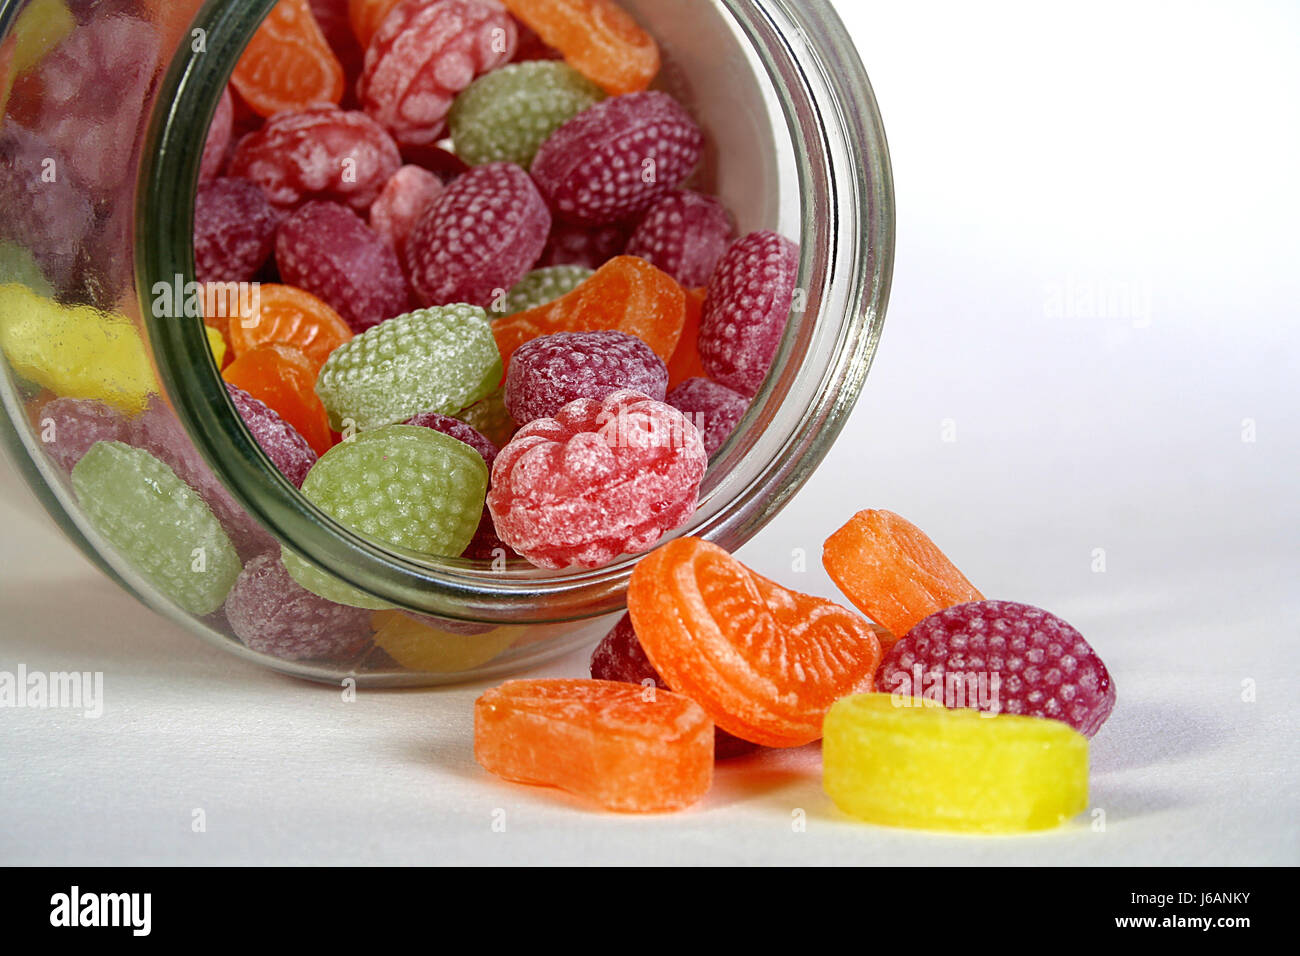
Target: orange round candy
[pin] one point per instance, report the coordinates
(290, 316)
(766, 663)
(288, 64)
(366, 16)
(892, 572)
(285, 379)
(598, 38)
(685, 362)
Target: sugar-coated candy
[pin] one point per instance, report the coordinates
(284, 377)
(423, 54)
(234, 230)
(326, 249)
(405, 199)
(288, 64)
(765, 662)
(587, 246)
(685, 361)
(891, 570)
(508, 113)
(1002, 657)
(905, 763)
(69, 427)
(427, 648)
(625, 748)
(598, 37)
(272, 614)
(411, 487)
(618, 158)
(540, 287)
(157, 523)
(747, 308)
(685, 234)
(216, 146)
(460, 431)
(489, 416)
(479, 238)
(287, 450)
(431, 360)
(284, 315)
(715, 409)
(602, 478)
(551, 371)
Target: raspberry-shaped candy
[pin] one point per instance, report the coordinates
(715, 409)
(217, 145)
(234, 230)
(510, 112)
(618, 158)
(749, 301)
(326, 249)
(1002, 657)
(479, 238)
(425, 53)
(403, 203)
(542, 286)
(287, 449)
(321, 152)
(273, 614)
(69, 427)
(684, 234)
(591, 248)
(485, 538)
(601, 479)
(550, 372)
(438, 360)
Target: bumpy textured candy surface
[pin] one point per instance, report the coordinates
(287, 449)
(1030, 662)
(602, 478)
(765, 662)
(284, 315)
(620, 746)
(685, 362)
(273, 614)
(479, 238)
(460, 431)
(412, 487)
(598, 37)
(749, 301)
(542, 286)
(618, 158)
(620, 657)
(423, 54)
(284, 378)
(234, 230)
(326, 249)
(892, 571)
(418, 646)
(590, 247)
(321, 152)
(684, 234)
(626, 294)
(507, 114)
(432, 360)
(69, 427)
(550, 372)
(217, 144)
(288, 64)
(715, 409)
(158, 523)
(405, 199)
(925, 767)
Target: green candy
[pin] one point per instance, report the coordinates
(158, 523)
(406, 486)
(508, 113)
(17, 265)
(432, 360)
(542, 286)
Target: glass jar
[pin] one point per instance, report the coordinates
(106, 106)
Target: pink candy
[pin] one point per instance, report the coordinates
(715, 409)
(684, 234)
(234, 230)
(218, 142)
(281, 442)
(551, 371)
(406, 198)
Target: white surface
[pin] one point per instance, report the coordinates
(1151, 147)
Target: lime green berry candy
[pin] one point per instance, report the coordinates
(543, 286)
(158, 523)
(432, 360)
(406, 486)
(510, 112)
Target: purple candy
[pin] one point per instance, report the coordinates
(684, 234)
(714, 409)
(287, 449)
(549, 372)
(234, 230)
(571, 245)
(70, 426)
(749, 301)
(273, 614)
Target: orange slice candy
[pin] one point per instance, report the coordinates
(285, 379)
(288, 65)
(290, 316)
(892, 572)
(766, 663)
(598, 38)
(685, 362)
(628, 748)
(366, 17)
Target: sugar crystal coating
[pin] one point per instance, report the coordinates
(405, 199)
(542, 286)
(216, 146)
(287, 449)
(485, 545)
(715, 409)
(234, 230)
(69, 427)
(684, 234)
(549, 372)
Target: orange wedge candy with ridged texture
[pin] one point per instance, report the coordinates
(284, 378)
(288, 64)
(598, 38)
(367, 16)
(290, 316)
(685, 362)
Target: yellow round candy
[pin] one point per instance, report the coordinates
(420, 647)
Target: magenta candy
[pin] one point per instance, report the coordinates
(219, 133)
(746, 310)
(601, 479)
(68, 427)
(287, 449)
(405, 199)
(326, 249)
(571, 245)
(715, 409)
(1026, 660)
(551, 371)
(616, 159)
(234, 230)
(684, 234)
(272, 614)
(479, 238)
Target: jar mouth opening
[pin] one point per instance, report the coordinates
(846, 220)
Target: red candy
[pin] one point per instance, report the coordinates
(684, 234)
(715, 409)
(403, 203)
(425, 53)
(602, 478)
(321, 152)
(745, 314)
(618, 158)
(479, 238)
(234, 230)
(219, 133)
(327, 250)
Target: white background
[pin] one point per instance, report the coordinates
(1096, 287)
